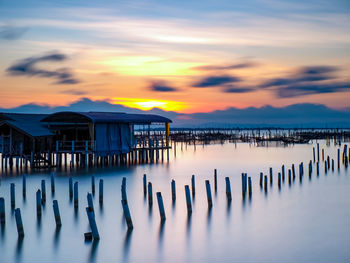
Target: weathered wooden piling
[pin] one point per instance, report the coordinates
(261, 179)
(19, 222)
(150, 194)
(265, 183)
(244, 184)
(215, 180)
(318, 168)
(193, 184)
(228, 189)
(209, 197)
(289, 177)
(250, 186)
(332, 164)
(283, 173)
(325, 167)
(56, 213)
(293, 170)
(76, 195)
(24, 185)
(313, 153)
(279, 180)
(38, 202)
(92, 222)
(188, 199)
(161, 206)
(338, 158)
(2, 211)
(70, 187)
(100, 191)
(90, 201)
(43, 191)
(144, 184)
(322, 154)
(271, 176)
(328, 162)
(123, 191)
(318, 152)
(93, 184)
(127, 214)
(173, 190)
(52, 182)
(12, 195)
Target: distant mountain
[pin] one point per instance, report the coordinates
(292, 116)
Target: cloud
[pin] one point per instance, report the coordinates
(225, 67)
(12, 32)
(307, 81)
(212, 81)
(302, 90)
(27, 67)
(74, 92)
(237, 89)
(161, 86)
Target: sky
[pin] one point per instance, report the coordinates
(184, 56)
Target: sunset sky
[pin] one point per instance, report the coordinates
(186, 56)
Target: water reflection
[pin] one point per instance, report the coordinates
(93, 251)
(38, 223)
(127, 241)
(76, 215)
(56, 237)
(19, 248)
(161, 234)
(209, 216)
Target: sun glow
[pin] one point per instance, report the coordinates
(147, 104)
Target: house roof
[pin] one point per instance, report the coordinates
(105, 117)
(29, 124)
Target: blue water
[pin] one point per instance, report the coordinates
(304, 222)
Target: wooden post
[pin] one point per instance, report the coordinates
(86, 153)
(261, 179)
(338, 158)
(127, 214)
(12, 195)
(271, 176)
(100, 192)
(76, 195)
(123, 189)
(283, 173)
(244, 184)
(144, 185)
(318, 152)
(92, 222)
(24, 185)
(161, 206)
(43, 191)
(52, 182)
(293, 170)
(173, 190)
(19, 222)
(228, 189)
(93, 184)
(56, 212)
(279, 180)
(289, 177)
(57, 148)
(70, 187)
(2, 211)
(90, 201)
(317, 168)
(210, 200)
(188, 199)
(193, 185)
(250, 186)
(332, 164)
(150, 194)
(215, 180)
(265, 183)
(38, 202)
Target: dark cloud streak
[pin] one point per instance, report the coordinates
(161, 86)
(212, 81)
(27, 67)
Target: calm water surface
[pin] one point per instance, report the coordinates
(304, 222)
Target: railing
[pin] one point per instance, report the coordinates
(75, 146)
